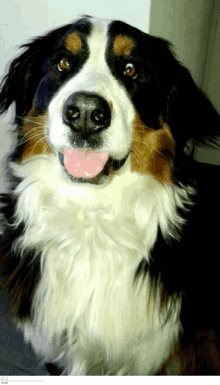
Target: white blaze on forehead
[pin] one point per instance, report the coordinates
(97, 43)
(95, 74)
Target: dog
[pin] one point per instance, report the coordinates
(109, 230)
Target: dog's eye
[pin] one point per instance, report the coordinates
(130, 71)
(63, 65)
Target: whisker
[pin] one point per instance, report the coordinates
(150, 148)
(38, 141)
(142, 126)
(156, 133)
(157, 136)
(136, 154)
(32, 129)
(29, 138)
(31, 120)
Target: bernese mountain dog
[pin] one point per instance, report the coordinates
(110, 249)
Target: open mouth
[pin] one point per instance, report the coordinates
(85, 166)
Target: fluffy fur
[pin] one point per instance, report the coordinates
(106, 275)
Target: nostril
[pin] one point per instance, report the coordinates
(98, 116)
(73, 113)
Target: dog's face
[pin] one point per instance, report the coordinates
(96, 73)
(100, 93)
(93, 92)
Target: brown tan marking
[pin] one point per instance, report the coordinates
(122, 45)
(33, 134)
(201, 354)
(152, 151)
(111, 106)
(73, 42)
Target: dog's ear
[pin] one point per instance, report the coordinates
(190, 111)
(25, 72)
(184, 107)
(19, 84)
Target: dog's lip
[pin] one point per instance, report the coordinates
(61, 158)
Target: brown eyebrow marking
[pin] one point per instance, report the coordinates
(122, 45)
(73, 42)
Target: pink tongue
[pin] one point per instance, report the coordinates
(83, 164)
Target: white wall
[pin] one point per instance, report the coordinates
(186, 23)
(211, 83)
(20, 20)
(193, 26)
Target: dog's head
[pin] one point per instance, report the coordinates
(97, 93)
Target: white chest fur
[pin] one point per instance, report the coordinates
(87, 310)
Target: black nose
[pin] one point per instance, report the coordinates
(86, 113)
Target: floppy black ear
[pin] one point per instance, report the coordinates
(189, 111)
(25, 72)
(18, 85)
(185, 108)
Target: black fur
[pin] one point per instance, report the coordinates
(20, 274)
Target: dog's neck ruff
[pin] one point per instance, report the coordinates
(45, 195)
